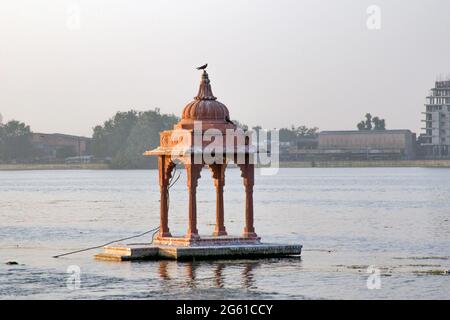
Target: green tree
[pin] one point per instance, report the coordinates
(111, 138)
(145, 136)
(293, 134)
(287, 135)
(15, 144)
(378, 124)
(304, 131)
(368, 121)
(2, 141)
(361, 125)
(242, 126)
(127, 135)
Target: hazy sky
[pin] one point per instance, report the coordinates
(273, 63)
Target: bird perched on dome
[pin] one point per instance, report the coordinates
(203, 67)
(227, 119)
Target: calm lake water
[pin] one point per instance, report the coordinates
(395, 219)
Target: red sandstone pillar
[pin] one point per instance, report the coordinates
(219, 182)
(192, 229)
(220, 225)
(164, 208)
(193, 174)
(164, 219)
(248, 174)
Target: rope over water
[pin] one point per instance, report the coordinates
(154, 230)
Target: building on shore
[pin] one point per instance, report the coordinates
(51, 147)
(435, 141)
(358, 145)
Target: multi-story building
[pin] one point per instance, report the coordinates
(359, 145)
(436, 139)
(368, 144)
(49, 147)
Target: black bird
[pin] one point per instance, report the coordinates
(227, 119)
(203, 67)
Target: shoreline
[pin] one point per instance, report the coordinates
(367, 164)
(54, 166)
(283, 164)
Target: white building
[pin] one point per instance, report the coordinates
(436, 139)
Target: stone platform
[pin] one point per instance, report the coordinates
(205, 241)
(199, 251)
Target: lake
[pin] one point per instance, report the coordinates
(390, 226)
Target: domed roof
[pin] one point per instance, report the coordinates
(205, 106)
(205, 110)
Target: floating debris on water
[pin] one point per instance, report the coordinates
(433, 272)
(424, 265)
(320, 250)
(12, 263)
(355, 266)
(423, 258)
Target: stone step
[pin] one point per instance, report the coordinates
(234, 251)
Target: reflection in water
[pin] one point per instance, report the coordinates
(190, 273)
(163, 273)
(247, 275)
(218, 275)
(189, 270)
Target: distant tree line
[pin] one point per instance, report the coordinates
(121, 139)
(371, 123)
(295, 134)
(15, 142)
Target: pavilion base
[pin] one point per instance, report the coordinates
(224, 249)
(205, 241)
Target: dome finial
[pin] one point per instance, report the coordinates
(205, 108)
(204, 91)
